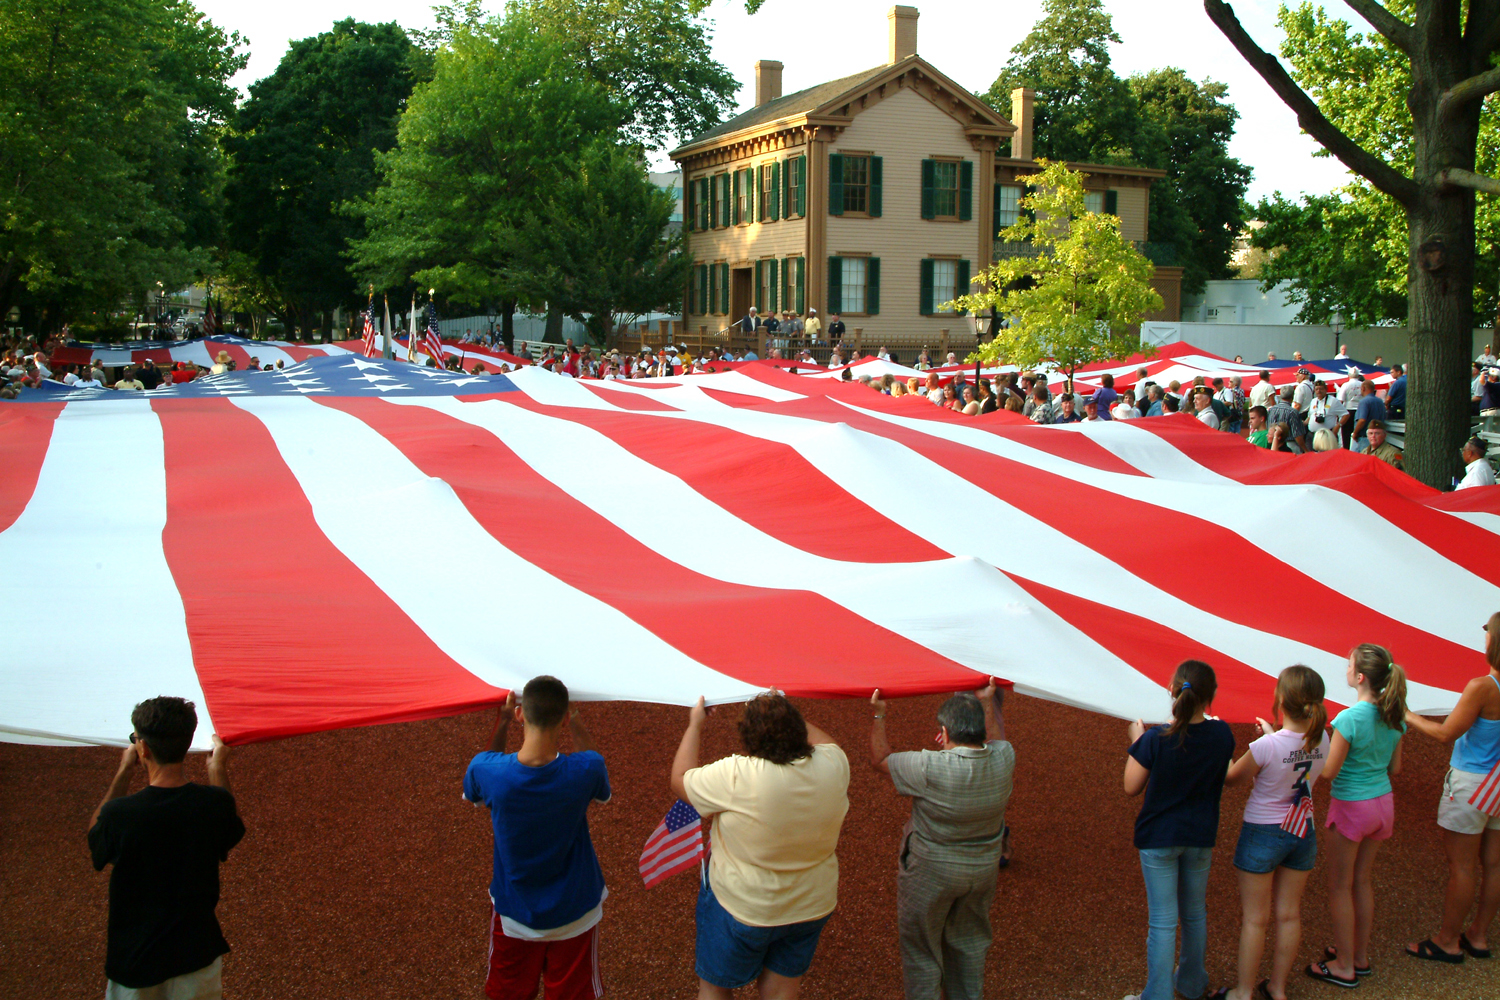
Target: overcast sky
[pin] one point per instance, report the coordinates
(821, 40)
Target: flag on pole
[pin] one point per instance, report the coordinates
(210, 321)
(411, 332)
(1299, 817)
(370, 326)
(675, 845)
(432, 342)
(1486, 797)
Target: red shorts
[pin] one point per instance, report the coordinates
(569, 969)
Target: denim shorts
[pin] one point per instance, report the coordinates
(1265, 847)
(731, 954)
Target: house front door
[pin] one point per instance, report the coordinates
(741, 293)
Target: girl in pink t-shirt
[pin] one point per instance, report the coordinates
(1277, 847)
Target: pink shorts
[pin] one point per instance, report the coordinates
(1367, 819)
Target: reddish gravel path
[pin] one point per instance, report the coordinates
(364, 874)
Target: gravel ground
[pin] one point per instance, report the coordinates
(364, 875)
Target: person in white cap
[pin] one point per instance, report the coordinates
(1477, 468)
(812, 326)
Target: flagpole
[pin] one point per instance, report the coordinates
(386, 351)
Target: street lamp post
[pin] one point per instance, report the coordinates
(983, 326)
(1338, 330)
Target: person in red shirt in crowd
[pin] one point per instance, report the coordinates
(183, 373)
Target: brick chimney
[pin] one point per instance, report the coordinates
(903, 33)
(767, 81)
(1022, 111)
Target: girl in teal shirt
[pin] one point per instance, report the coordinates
(1364, 753)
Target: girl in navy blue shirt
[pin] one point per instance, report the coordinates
(1181, 769)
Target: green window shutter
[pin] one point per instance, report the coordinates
(713, 202)
(877, 173)
(710, 286)
(724, 289)
(963, 280)
(835, 285)
(835, 184)
(773, 285)
(801, 285)
(924, 296)
(760, 274)
(788, 209)
(702, 289)
(734, 200)
(775, 198)
(966, 190)
(752, 181)
(995, 226)
(802, 186)
(872, 287)
(1112, 201)
(928, 170)
(705, 203)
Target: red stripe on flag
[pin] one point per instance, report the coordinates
(1391, 494)
(627, 400)
(25, 435)
(1155, 650)
(300, 354)
(288, 635)
(766, 484)
(1167, 549)
(840, 652)
(161, 355)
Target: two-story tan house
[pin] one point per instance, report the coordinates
(877, 197)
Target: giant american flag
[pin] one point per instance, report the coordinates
(354, 541)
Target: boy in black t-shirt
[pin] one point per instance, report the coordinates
(165, 842)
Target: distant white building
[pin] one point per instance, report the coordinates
(1240, 300)
(671, 180)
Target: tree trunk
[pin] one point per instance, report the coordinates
(508, 323)
(1440, 276)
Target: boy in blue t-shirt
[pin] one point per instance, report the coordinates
(548, 890)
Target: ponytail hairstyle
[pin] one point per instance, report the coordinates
(1386, 680)
(1193, 687)
(1492, 641)
(1299, 697)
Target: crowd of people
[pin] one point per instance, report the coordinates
(776, 809)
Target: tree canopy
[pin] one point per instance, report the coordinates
(304, 143)
(507, 111)
(1080, 297)
(1347, 252)
(110, 119)
(1085, 113)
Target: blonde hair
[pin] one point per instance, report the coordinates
(1386, 679)
(1299, 697)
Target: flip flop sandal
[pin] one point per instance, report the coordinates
(1432, 953)
(1263, 990)
(1218, 994)
(1331, 954)
(1319, 970)
(1463, 942)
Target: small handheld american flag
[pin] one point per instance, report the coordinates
(675, 845)
(1486, 797)
(1299, 818)
(432, 342)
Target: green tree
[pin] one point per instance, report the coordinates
(596, 246)
(109, 125)
(505, 116)
(1080, 298)
(1162, 119)
(1347, 253)
(1083, 112)
(1198, 208)
(652, 56)
(305, 142)
(1449, 48)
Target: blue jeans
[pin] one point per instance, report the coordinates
(1176, 886)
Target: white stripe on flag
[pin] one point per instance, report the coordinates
(353, 478)
(960, 607)
(93, 532)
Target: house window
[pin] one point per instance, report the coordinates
(796, 176)
(855, 283)
(768, 192)
(1093, 201)
(767, 285)
(856, 184)
(1007, 206)
(744, 195)
(945, 189)
(721, 199)
(944, 283)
